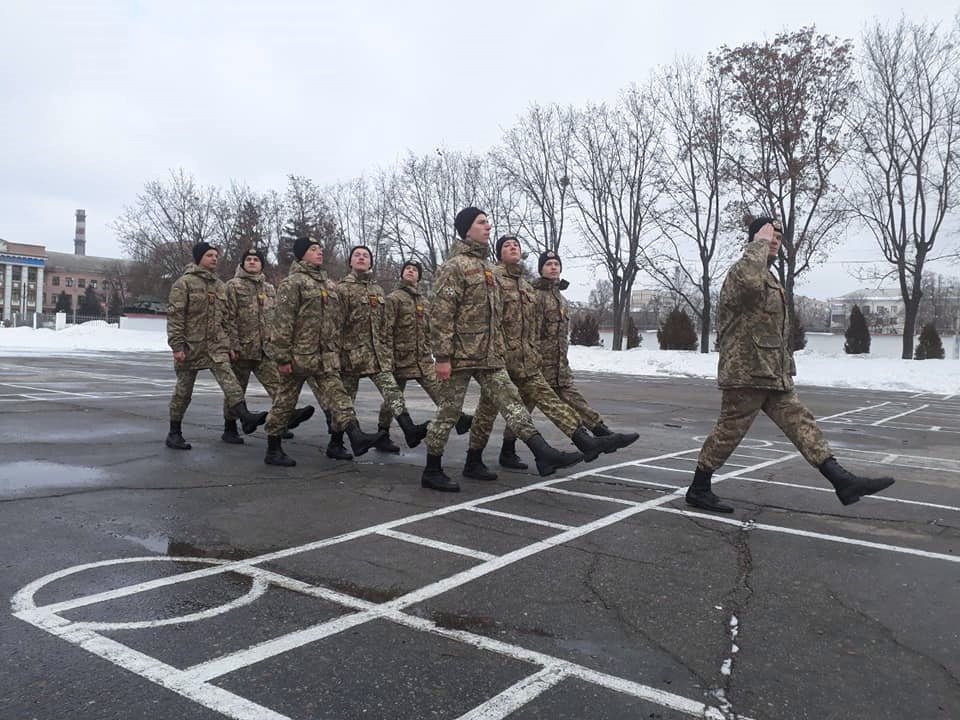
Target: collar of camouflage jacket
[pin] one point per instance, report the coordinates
(314, 271)
(358, 277)
(408, 287)
(515, 270)
(194, 269)
(543, 283)
(465, 247)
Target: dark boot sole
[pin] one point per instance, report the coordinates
(511, 464)
(280, 462)
(546, 470)
(339, 454)
(232, 439)
(709, 507)
(851, 498)
(250, 426)
(426, 484)
(306, 416)
(483, 476)
(182, 445)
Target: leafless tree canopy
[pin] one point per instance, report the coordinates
(908, 120)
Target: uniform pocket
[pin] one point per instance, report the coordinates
(470, 345)
(767, 353)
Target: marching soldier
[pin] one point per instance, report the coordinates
(467, 342)
(363, 350)
(520, 323)
(305, 342)
(249, 310)
(554, 335)
(755, 373)
(406, 329)
(196, 335)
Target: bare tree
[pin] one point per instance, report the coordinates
(616, 186)
(166, 220)
(908, 121)
(305, 210)
(535, 159)
(601, 298)
(698, 122)
(792, 94)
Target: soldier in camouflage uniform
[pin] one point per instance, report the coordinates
(305, 342)
(248, 318)
(520, 323)
(197, 338)
(755, 373)
(467, 342)
(363, 350)
(406, 329)
(554, 336)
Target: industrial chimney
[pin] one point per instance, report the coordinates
(80, 237)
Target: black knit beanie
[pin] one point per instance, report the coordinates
(200, 249)
(757, 224)
(360, 247)
(502, 240)
(415, 265)
(465, 218)
(254, 252)
(302, 244)
(548, 255)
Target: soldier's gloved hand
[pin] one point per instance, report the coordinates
(179, 356)
(443, 370)
(286, 369)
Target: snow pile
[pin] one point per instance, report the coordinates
(813, 368)
(89, 337)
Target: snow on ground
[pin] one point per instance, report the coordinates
(814, 368)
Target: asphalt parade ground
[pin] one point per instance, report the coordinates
(143, 582)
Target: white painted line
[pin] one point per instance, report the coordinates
(899, 415)
(516, 696)
(852, 412)
(749, 525)
(46, 390)
(520, 518)
(590, 496)
(436, 544)
(936, 428)
(889, 459)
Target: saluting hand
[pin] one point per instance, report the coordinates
(443, 370)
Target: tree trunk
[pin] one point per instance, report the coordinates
(910, 310)
(618, 324)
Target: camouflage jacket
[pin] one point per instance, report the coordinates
(406, 329)
(306, 322)
(465, 318)
(554, 331)
(362, 348)
(195, 318)
(520, 321)
(753, 330)
(249, 313)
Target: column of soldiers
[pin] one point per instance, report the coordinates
(487, 323)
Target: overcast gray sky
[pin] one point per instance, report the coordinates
(99, 97)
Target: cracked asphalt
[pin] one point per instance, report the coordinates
(812, 610)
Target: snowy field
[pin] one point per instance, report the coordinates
(814, 367)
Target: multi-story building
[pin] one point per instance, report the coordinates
(32, 278)
(883, 308)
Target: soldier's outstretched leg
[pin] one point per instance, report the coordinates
(591, 419)
(182, 393)
(338, 401)
(480, 430)
(241, 371)
(384, 418)
(431, 386)
(452, 392)
(798, 424)
(393, 396)
(223, 374)
(738, 410)
(283, 404)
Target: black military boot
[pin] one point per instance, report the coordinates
(275, 454)
(592, 446)
(850, 488)
(413, 434)
(230, 434)
(175, 437)
(699, 494)
(623, 439)
(463, 423)
(549, 459)
(328, 416)
(385, 444)
(474, 467)
(300, 415)
(508, 456)
(336, 450)
(434, 478)
(248, 421)
(287, 435)
(360, 441)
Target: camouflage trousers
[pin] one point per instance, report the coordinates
(330, 394)
(739, 408)
(428, 381)
(183, 392)
(535, 392)
(386, 384)
(496, 384)
(266, 372)
(572, 396)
